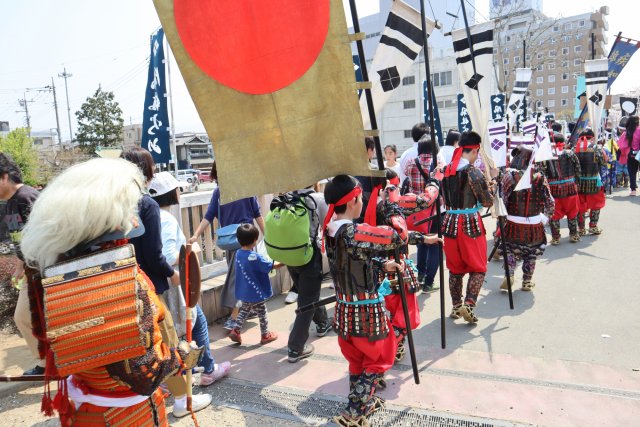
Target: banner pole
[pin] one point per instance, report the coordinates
(170, 96)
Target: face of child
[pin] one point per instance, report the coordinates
(358, 205)
(389, 155)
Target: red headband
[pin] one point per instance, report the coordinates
(395, 181)
(343, 201)
(370, 213)
(452, 168)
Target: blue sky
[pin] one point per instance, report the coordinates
(107, 43)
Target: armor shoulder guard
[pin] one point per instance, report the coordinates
(475, 174)
(367, 233)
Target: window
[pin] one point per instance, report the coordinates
(567, 26)
(566, 39)
(551, 78)
(435, 78)
(407, 133)
(579, 36)
(409, 80)
(552, 40)
(508, 38)
(540, 79)
(565, 89)
(565, 64)
(577, 49)
(551, 91)
(505, 61)
(565, 50)
(527, 57)
(574, 88)
(540, 55)
(577, 61)
(551, 103)
(516, 59)
(551, 66)
(564, 102)
(565, 76)
(581, 23)
(445, 78)
(540, 67)
(539, 92)
(552, 53)
(409, 104)
(506, 72)
(506, 50)
(495, 51)
(556, 28)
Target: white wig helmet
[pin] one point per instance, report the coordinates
(83, 203)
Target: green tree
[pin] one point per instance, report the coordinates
(100, 122)
(19, 146)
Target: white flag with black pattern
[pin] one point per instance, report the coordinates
(400, 44)
(520, 86)
(476, 76)
(596, 73)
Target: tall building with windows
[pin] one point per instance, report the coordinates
(554, 48)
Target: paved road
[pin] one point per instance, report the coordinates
(566, 356)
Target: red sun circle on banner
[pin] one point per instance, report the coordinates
(253, 46)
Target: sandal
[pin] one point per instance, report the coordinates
(346, 420)
(528, 286)
(555, 241)
(375, 404)
(595, 230)
(400, 351)
(505, 286)
(467, 312)
(575, 238)
(582, 232)
(455, 311)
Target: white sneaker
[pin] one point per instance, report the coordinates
(198, 402)
(291, 297)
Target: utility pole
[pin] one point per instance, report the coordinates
(55, 107)
(65, 76)
(24, 103)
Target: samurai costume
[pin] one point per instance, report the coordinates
(465, 192)
(356, 260)
(527, 212)
(590, 188)
(562, 174)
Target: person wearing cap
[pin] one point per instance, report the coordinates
(354, 257)
(466, 191)
(562, 172)
(87, 209)
(590, 189)
(527, 212)
(165, 190)
(148, 248)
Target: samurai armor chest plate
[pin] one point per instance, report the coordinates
(526, 203)
(92, 310)
(457, 190)
(588, 163)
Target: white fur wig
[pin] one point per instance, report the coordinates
(81, 204)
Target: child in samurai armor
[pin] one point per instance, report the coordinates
(253, 286)
(354, 252)
(466, 191)
(527, 212)
(590, 189)
(562, 173)
(71, 226)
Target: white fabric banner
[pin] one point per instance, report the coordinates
(400, 44)
(543, 150)
(498, 140)
(523, 77)
(596, 77)
(476, 82)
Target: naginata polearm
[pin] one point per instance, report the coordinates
(431, 97)
(503, 239)
(374, 128)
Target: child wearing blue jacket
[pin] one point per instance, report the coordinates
(253, 286)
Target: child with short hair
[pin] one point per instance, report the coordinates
(253, 286)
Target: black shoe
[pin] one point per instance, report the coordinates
(295, 356)
(36, 370)
(430, 288)
(321, 330)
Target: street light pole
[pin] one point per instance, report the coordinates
(65, 76)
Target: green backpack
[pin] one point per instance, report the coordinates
(286, 229)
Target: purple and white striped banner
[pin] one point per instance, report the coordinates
(529, 127)
(498, 141)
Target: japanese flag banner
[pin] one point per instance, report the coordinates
(596, 77)
(400, 45)
(498, 140)
(274, 85)
(475, 68)
(523, 77)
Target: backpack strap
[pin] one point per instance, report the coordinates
(426, 177)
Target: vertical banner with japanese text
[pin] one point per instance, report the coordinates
(620, 54)
(464, 122)
(155, 119)
(497, 107)
(436, 114)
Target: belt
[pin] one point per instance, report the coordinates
(528, 220)
(564, 181)
(364, 301)
(472, 210)
(593, 178)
